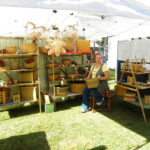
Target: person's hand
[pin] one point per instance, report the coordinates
(99, 77)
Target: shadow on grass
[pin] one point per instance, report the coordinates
(23, 111)
(102, 147)
(33, 141)
(130, 117)
(68, 104)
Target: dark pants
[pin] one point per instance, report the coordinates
(85, 101)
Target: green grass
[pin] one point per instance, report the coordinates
(68, 129)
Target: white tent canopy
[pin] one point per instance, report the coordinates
(116, 19)
(100, 18)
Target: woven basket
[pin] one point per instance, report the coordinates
(26, 77)
(4, 95)
(66, 62)
(92, 83)
(77, 87)
(28, 93)
(69, 45)
(11, 49)
(130, 80)
(130, 97)
(28, 47)
(30, 63)
(50, 76)
(120, 91)
(147, 99)
(73, 75)
(43, 50)
(14, 65)
(137, 67)
(61, 90)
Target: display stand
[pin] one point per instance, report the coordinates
(133, 87)
(53, 94)
(10, 104)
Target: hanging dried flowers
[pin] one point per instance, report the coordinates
(55, 46)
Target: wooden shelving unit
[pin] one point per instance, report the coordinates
(134, 87)
(10, 104)
(53, 67)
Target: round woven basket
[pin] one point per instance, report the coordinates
(43, 50)
(14, 65)
(66, 62)
(30, 63)
(28, 47)
(50, 76)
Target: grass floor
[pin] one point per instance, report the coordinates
(68, 129)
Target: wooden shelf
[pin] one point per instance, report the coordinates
(19, 84)
(19, 70)
(138, 73)
(139, 87)
(12, 105)
(68, 95)
(138, 104)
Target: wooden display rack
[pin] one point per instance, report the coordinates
(133, 87)
(53, 94)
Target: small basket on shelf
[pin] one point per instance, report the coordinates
(50, 76)
(11, 49)
(14, 65)
(30, 63)
(28, 47)
(61, 90)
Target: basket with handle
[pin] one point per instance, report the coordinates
(28, 47)
(92, 83)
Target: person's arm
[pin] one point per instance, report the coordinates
(106, 73)
(89, 75)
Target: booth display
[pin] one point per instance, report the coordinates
(133, 69)
(63, 87)
(27, 81)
